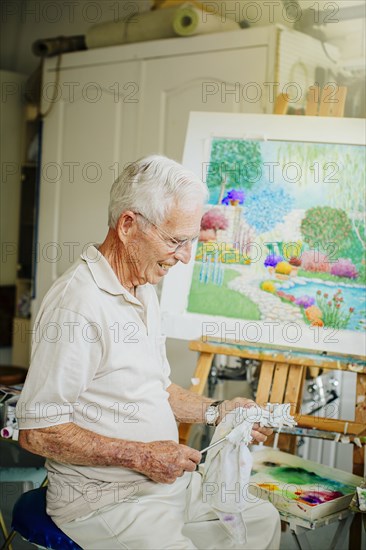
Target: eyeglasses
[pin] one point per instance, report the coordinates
(171, 242)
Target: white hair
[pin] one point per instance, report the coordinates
(151, 186)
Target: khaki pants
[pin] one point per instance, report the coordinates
(172, 516)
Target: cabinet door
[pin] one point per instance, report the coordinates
(229, 81)
(87, 137)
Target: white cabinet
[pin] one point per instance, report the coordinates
(88, 132)
(195, 82)
(116, 104)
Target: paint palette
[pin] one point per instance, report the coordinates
(301, 487)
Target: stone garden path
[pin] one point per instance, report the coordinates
(270, 306)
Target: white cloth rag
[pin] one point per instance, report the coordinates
(228, 466)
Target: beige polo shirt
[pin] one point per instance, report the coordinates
(98, 360)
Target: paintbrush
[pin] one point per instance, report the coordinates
(213, 445)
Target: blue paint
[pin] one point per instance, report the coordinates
(354, 296)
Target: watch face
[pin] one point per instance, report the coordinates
(212, 415)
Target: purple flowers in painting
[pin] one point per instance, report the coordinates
(234, 196)
(305, 301)
(272, 260)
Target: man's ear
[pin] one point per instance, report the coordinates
(125, 224)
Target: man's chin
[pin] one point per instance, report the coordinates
(154, 279)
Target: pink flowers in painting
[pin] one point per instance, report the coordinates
(344, 268)
(214, 219)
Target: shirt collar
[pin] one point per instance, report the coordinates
(103, 274)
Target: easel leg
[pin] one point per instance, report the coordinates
(355, 533)
(301, 540)
(341, 533)
(201, 373)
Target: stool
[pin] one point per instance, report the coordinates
(9, 375)
(32, 522)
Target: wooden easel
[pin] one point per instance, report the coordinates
(330, 101)
(281, 380)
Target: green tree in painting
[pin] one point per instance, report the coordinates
(353, 248)
(236, 162)
(341, 169)
(349, 191)
(326, 228)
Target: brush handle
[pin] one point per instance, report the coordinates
(213, 445)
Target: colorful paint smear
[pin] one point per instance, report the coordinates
(299, 484)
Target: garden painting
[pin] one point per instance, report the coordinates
(283, 237)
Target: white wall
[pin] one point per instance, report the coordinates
(24, 21)
(10, 150)
(10, 22)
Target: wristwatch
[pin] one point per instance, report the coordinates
(212, 413)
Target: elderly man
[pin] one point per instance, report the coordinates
(98, 402)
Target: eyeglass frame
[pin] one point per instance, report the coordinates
(180, 244)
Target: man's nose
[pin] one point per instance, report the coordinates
(183, 254)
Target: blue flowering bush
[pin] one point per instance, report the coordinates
(266, 208)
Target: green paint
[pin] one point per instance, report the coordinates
(300, 476)
(211, 299)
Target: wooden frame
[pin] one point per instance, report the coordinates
(280, 366)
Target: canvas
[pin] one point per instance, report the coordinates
(282, 243)
(288, 249)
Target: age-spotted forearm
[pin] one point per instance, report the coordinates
(161, 461)
(71, 444)
(188, 406)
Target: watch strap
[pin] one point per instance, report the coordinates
(216, 403)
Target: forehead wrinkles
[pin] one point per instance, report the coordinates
(183, 231)
(184, 221)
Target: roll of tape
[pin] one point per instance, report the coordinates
(190, 20)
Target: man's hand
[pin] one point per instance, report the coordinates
(259, 433)
(164, 461)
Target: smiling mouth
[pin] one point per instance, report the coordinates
(165, 267)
